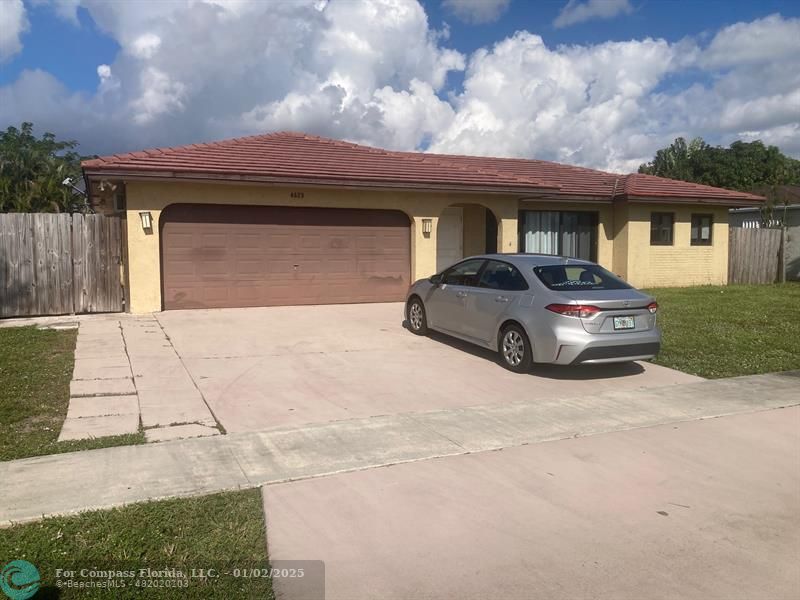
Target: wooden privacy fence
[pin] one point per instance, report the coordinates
(755, 255)
(55, 264)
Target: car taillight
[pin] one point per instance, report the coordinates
(652, 307)
(573, 310)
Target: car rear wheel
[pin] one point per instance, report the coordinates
(515, 349)
(415, 313)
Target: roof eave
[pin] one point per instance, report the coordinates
(141, 175)
(568, 197)
(744, 201)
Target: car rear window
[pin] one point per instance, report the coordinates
(572, 278)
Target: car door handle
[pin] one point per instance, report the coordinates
(501, 299)
(461, 294)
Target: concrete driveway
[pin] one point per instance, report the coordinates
(287, 366)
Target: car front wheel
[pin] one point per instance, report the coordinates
(417, 320)
(515, 349)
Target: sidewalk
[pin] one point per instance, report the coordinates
(69, 483)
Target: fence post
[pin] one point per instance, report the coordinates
(72, 259)
(782, 257)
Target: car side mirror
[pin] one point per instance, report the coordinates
(435, 279)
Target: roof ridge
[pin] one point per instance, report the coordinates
(441, 159)
(530, 160)
(346, 144)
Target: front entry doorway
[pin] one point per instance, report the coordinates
(464, 230)
(450, 237)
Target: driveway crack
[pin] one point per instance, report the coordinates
(189, 373)
(433, 430)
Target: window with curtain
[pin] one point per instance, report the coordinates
(661, 226)
(562, 233)
(701, 230)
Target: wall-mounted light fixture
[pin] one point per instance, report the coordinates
(427, 226)
(147, 220)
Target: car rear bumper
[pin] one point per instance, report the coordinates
(626, 352)
(574, 348)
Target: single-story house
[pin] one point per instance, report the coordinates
(288, 218)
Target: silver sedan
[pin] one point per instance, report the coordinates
(537, 308)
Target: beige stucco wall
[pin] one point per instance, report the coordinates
(144, 266)
(619, 262)
(680, 264)
(623, 241)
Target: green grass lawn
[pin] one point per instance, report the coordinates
(35, 371)
(220, 531)
(724, 331)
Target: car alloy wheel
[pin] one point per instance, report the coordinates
(415, 316)
(513, 348)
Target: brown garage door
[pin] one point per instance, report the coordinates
(215, 256)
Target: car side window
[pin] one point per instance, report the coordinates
(465, 273)
(502, 276)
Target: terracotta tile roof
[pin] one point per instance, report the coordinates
(296, 157)
(638, 185)
(299, 158)
(569, 179)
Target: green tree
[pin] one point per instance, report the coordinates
(744, 166)
(32, 171)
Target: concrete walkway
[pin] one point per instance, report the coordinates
(127, 373)
(68, 483)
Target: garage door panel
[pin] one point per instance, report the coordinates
(212, 268)
(247, 243)
(277, 240)
(227, 256)
(309, 242)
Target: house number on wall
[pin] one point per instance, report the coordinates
(296, 195)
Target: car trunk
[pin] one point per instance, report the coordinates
(621, 311)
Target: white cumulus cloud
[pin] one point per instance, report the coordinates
(13, 23)
(575, 104)
(763, 40)
(145, 46)
(576, 11)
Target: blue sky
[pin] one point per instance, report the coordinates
(70, 51)
(604, 88)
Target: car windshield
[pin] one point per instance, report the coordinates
(572, 278)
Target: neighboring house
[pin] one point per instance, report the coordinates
(787, 216)
(288, 218)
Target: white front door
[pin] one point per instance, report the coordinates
(449, 238)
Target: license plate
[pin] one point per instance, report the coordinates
(624, 323)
